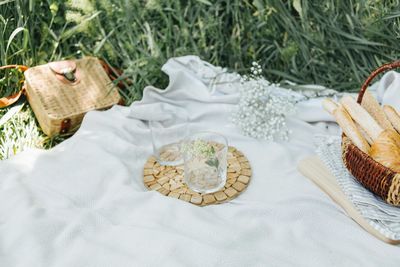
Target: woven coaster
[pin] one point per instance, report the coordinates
(168, 180)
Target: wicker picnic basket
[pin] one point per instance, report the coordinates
(61, 93)
(372, 175)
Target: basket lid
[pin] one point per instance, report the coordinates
(65, 70)
(68, 88)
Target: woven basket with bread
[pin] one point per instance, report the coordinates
(371, 139)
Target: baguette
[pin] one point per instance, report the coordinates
(370, 104)
(364, 134)
(393, 116)
(350, 129)
(329, 105)
(362, 117)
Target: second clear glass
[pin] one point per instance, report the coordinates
(168, 135)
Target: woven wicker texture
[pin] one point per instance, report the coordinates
(55, 101)
(168, 180)
(372, 175)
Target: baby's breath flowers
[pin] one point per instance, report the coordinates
(203, 149)
(262, 108)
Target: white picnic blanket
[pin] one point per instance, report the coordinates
(83, 203)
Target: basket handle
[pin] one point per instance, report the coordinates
(383, 68)
(9, 100)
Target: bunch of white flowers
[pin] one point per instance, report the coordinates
(263, 107)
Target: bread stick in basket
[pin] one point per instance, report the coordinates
(371, 105)
(364, 134)
(362, 117)
(393, 116)
(347, 124)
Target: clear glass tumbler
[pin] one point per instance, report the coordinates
(205, 159)
(168, 135)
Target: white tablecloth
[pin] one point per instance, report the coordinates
(83, 203)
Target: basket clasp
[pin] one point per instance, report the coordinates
(69, 74)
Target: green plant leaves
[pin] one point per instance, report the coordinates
(214, 162)
(6, 2)
(297, 6)
(13, 35)
(10, 81)
(205, 2)
(82, 26)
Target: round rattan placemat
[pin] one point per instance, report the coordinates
(168, 180)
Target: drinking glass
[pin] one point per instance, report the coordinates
(167, 136)
(205, 162)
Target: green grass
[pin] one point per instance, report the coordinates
(333, 43)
